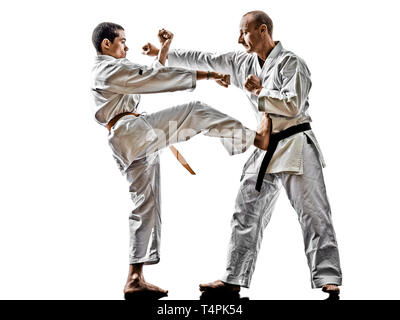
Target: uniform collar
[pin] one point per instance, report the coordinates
(270, 58)
(276, 50)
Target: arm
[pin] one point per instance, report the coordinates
(125, 77)
(290, 97)
(165, 37)
(222, 63)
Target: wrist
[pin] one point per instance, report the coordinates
(166, 43)
(212, 75)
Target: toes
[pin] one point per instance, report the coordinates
(203, 287)
(207, 286)
(219, 286)
(161, 290)
(155, 288)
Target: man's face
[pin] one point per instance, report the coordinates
(250, 37)
(117, 48)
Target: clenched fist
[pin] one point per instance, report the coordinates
(223, 80)
(164, 35)
(150, 50)
(253, 84)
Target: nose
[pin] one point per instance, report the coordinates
(240, 40)
(126, 48)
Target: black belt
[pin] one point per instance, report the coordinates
(273, 143)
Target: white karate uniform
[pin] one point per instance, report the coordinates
(297, 163)
(136, 140)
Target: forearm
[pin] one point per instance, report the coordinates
(163, 53)
(201, 75)
(279, 105)
(200, 60)
(289, 100)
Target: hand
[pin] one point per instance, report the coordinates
(223, 80)
(253, 84)
(164, 35)
(265, 125)
(150, 50)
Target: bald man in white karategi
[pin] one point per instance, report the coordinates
(275, 81)
(135, 139)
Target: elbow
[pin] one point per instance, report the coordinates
(293, 112)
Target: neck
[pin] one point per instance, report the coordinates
(266, 49)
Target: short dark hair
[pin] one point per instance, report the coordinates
(260, 17)
(105, 30)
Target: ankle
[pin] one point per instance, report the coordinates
(135, 277)
(135, 272)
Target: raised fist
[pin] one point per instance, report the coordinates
(164, 35)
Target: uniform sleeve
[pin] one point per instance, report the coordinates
(290, 95)
(130, 78)
(157, 64)
(223, 63)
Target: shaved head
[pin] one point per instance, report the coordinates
(260, 17)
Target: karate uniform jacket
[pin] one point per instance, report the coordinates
(286, 84)
(116, 86)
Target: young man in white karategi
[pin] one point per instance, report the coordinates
(275, 81)
(136, 138)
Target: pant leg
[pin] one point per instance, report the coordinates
(253, 211)
(133, 137)
(145, 220)
(307, 194)
(180, 123)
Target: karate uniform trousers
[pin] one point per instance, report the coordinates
(253, 209)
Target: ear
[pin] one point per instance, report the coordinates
(263, 28)
(105, 44)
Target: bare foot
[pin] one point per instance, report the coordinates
(137, 285)
(263, 132)
(219, 285)
(330, 288)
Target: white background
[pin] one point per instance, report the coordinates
(64, 205)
